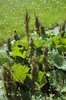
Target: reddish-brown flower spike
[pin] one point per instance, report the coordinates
(45, 50)
(10, 86)
(37, 25)
(45, 54)
(16, 37)
(62, 29)
(9, 44)
(42, 30)
(34, 67)
(27, 19)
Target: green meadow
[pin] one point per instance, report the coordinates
(12, 15)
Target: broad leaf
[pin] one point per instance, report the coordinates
(41, 80)
(63, 89)
(58, 60)
(38, 42)
(19, 49)
(19, 72)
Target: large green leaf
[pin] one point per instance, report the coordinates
(20, 44)
(38, 42)
(41, 80)
(19, 54)
(55, 39)
(19, 49)
(58, 60)
(63, 41)
(63, 89)
(19, 72)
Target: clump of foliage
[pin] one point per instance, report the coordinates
(39, 66)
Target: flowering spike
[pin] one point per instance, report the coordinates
(10, 86)
(27, 19)
(9, 44)
(16, 37)
(37, 25)
(62, 29)
(45, 54)
(34, 67)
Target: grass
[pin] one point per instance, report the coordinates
(12, 14)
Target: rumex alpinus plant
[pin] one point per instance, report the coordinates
(36, 67)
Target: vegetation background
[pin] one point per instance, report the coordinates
(12, 14)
